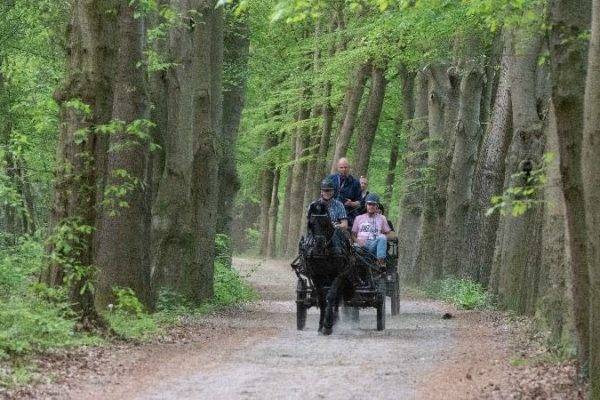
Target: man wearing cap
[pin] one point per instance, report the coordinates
(347, 189)
(371, 230)
(337, 214)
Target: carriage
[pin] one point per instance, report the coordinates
(372, 284)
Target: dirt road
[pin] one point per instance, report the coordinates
(257, 353)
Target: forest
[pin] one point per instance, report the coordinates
(144, 144)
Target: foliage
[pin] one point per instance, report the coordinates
(463, 293)
(517, 200)
(33, 318)
(69, 241)
(230, 288)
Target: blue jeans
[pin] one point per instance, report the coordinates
(377, 246)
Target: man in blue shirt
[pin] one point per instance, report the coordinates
(336, 210)
(337, 214)
(347, 189)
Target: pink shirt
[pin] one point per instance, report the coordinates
(366, 227)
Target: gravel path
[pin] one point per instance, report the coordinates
(267, 357)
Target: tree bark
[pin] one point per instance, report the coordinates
(411, 203)
(370, 121)
(78, 186)
(237, 43)
(173, 233)
(442, 111)
(297, 189)
(569, 21)
(266, 189)
(353, 96)
(591, 179)
(273, 212)
(520, 253)
(554, 302)
(285, 224)
(122, 243)
(489, 180)
(208, 119)
(459, 195)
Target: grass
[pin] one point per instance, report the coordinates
(463, 293)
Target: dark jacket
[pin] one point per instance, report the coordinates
(349, 189)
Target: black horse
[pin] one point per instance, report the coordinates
(329, 264)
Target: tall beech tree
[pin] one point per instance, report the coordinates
(235, 61)
(352, 99)
(184, 213)
(122, 253)
(370, 121)
(468, 135)
(591, 179)
(489, 179)
(86, 102)
(520, 246)
(569, 20)
(411, 203)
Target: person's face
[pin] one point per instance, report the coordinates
(343, 168)
(326, 194)
(372, 208)
(363, 184)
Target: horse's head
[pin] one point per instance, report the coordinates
(320, 228)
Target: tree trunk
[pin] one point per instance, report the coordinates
(328, 114)
(352, 99)
(122, 243)
(390, 176)
(468, 134)
(370, 122)
(237, 43)
(569, 21)
(489, 180)
(266, 189)
(591, 179)
(297, 189)
(520, 253)
(174, 251)
(273, 210)
(411, 203)
(78, 186)
(554, 302)
(442, 110)
(208, 118)
(287, 212)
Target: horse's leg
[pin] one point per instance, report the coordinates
(332, 301)
(321, 301)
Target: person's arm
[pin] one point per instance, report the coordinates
(386, 230)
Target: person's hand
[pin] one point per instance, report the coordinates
(348, 203)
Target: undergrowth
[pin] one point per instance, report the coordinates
(463, 293)
(35, 319)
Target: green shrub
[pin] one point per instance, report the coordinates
(30, 325)
(463, 293)
(128, 317)
(18, 265)
(229, 287)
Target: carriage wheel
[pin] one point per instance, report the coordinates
(381, 314)
(301, 309)
(395, 298)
